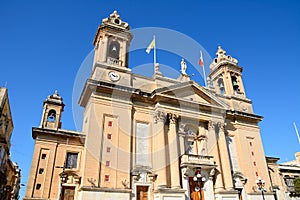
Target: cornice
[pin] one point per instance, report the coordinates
(56, 132)
(243, 115)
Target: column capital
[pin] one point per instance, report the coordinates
(211, 124)
(159, 116)
(221, 126)
(216, 124)
(173, 118)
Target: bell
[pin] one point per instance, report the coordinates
(234, 83)
(114, 48)
(221, 85)
(235, 86)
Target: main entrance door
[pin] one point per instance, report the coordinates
(195, 193)
(142, 192)
(68, 193)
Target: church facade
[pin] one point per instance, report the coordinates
(150, 138)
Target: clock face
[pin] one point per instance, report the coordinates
(114, 76)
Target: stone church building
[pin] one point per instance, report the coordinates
(150, 138)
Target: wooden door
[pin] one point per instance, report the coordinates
(142, 192)
(68, 193)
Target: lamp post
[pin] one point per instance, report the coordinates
(63, 179)
(199, 180)
(261, 184)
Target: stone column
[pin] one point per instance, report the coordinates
(173, 151)
(219, 184)
(159, 152)
(185, 181)
(209, 185)
(224, 155)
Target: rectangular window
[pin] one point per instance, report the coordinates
(142, 144)
(107, 163)
(256, 173)
(44, 156)
(106, 178)
(38, 186)
(71, 161)
(110, 123)
(41, 170)
(190, 148)
(252, 153)
(250, 143)
(108, 149)
(109, 136)
(289, 182)
(254, 163)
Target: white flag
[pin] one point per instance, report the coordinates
(151, 46)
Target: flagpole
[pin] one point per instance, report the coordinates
(203, 68)
(154, 52)
(297, 132)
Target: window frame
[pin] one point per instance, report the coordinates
(77, 160)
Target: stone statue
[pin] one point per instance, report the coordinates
(183, 67)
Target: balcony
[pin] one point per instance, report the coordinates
(197, 161)
(114, 61)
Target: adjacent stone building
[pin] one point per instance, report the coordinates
(154, 138)
(10, 174)
(283, 175)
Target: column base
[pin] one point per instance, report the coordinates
(174, 194)
(225, 194)
(219, 189)
(176, 187)
(161, 186)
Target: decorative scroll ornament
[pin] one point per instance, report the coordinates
(125, 183)
(92, 181)
(159, 116)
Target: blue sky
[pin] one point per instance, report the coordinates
(43, 43)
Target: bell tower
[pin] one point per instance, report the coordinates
(226, 77)
(53, 108)
(112, 41)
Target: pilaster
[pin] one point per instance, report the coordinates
(224, 156)
(173, 151)
(219, 183)
(159, 151)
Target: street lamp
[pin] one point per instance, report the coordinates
(199, 180)
(261, 184)
(63, 179)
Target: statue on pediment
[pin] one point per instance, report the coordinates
(183, 67)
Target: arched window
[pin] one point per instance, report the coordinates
(51, 116)
(234, 83)
(114, 50)
(221, 86)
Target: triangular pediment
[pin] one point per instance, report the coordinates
(191, 91)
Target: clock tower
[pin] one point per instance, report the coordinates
(112, 41)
